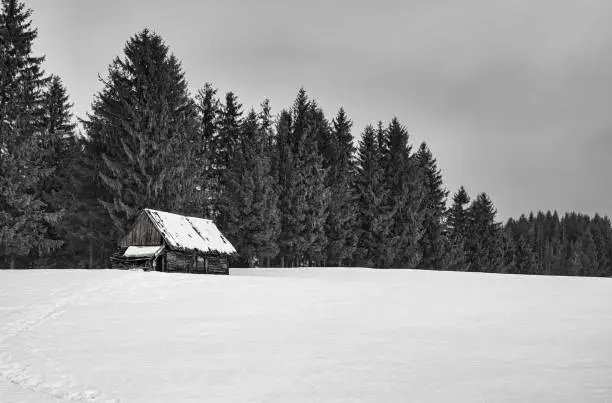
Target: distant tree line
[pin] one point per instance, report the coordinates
(288, 189)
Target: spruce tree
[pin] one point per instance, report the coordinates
(229, 121)
(267, 131)
(267, 190)
(94, 235)
(24, 215)
(206, 182)
(304, 196)
(226, 145)
(457, 227)
(370, 194)
(62, 153)
(457, 215)
(312, 187)
(341, 221)
(525, 258)
(404, 197)
(143, 125)
(432, 210)
(300, 112)
(484, 247)
(285, 174)
(249, 201)
(508, 250)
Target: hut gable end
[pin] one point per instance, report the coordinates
(143, 233)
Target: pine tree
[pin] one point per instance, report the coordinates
(300, 111)
(304, 198)
(312, 187)
(94, 237)
(432, 210)
(370, 193)
(267, 130)
(576, 259)
(284, 178)
(206, 182)
(525, 258)
(340, 225)
(484, 249)
(226, 145)
(143, 125)
(266, 192)
(24, 215)
(600, 234)
(509, 264)
(62, 153)
(457, 214)
(229, 121)
(404, 197)
(250, 200)
(457, 226)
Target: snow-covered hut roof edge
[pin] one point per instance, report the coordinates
(190, 233)
(143, 251)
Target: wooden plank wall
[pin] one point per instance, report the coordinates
(178, 261)
(143, 233)
(186, 262)
(217, 265)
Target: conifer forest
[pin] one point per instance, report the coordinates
(293, 186)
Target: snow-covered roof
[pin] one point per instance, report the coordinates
(142, 251)
(190, 233)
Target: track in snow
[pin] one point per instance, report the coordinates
(61, 384)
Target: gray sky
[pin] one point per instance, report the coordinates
(512, 96)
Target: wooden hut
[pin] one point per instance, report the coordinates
(170, 242)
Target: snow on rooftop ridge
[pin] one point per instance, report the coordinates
(190, 233)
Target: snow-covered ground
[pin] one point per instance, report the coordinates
(303, 335)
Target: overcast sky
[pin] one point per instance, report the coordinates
(514, 97)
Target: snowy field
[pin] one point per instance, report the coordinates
(303, 335)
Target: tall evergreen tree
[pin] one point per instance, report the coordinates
(226, 144)
(267, 130)
(312, 187)
(206, 182)
(484, 248)
(24, 215)
(58, 137)
(370, 193)
(404, 197)
(456, 229)
(143, 122)
(94, 236)
(300, 112)
(62, 153)
(304, 197)
(432, 210)
(457, 214)
(288, 240)
(341, 221)
(229, 122)
(249, 201)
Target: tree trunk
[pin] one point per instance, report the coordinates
(91, 258)
(12, 263)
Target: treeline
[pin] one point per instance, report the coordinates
(288, 189)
